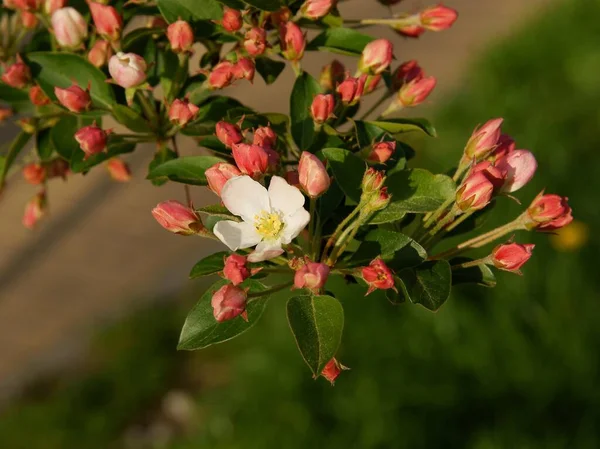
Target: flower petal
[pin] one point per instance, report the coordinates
(245, 197)
(520, 166)
(284, 197)
(236, 235)
(265, 250)
(294, 224)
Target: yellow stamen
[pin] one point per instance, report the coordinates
(268, 225)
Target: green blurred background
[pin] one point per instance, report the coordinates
(512, 367)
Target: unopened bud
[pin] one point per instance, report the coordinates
(5, 113)
(380, 200)
(252, 160)
(351, 89)
(181, 112)
(228, 133)
(331, 75)
(293, 41)
(405, 73)
(372, 181)
(322, 108)
(265, 137)
(127, 69)
(181, 36)
(29, 20)
(17, 75)
(475, 192)
(232, 19)
(548, 213)
(107, 20)
(378, 276)
(332, 370)
(484, 139)
(37, 96)
(244, 68)
(92, 140)
(74, 98)
(70, 28)
(511, 256)
(381, 151)
(222, 75)
(416, 91)
(438, 18)
(371, 83)
(236, 269)
(35, 209)
(312, 276)
(219, 174)
(50, 6)
(519, 166)
(255, 41)
(376, 57)
(118, 170)
(229, 302)
(313, 175)
(177, 218)
(315, 9)
(34, 173)
(100, 53)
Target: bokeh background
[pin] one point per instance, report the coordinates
(91, 304)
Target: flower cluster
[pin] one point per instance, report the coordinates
(323, 192)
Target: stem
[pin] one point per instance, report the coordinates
(292, 145)
(270, 291)
(186, 188)
(148, 108)
(439, 211)
(312, 224)
(338, 230)
(345, 240)
(462, 166)
(460, 219)
(472, 263)
(443, 222)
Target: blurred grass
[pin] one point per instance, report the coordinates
(513, 367)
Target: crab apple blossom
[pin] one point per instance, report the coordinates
(181, 112)
(236, 269)
(548, 212)
(38, 97)
(265, 137)
(378, 276)
(416, 91)
(74, 98)
(107, 20)
(70, 28)
(34, 173)
(127, 69)
(484, 139)
(229, 302)
(380, 152)
(17, 75)
(219, 174)
(293, 41)
(92, 139)
(270, 218)
(331, 75)
(118, 169)
(222, 75)
(177, 218)
(511, 256)
(438, 18)
(181, 36)
(351, 89)
(312, 276)
(232, 19)
(376, 57)
(35, 210)
(252, 160)
(255, 41)
(315, 9)
(313, 176)
(475, 192)
(100, 53)
(228, 133)
(322, 108)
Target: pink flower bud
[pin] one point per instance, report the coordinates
(91, 139)
(381, 152)
(322, 107)
(70, 28)
(313, 175)
(35, 209)
(409, 30)
(17, 75)
(416, 91)
(252, 160)
(107, 20)
(331, 75)
(228, 133)
(181, 36)
(127, 69)
(405, 73)
(37, 96)
(519, 166)
(351, 89)
(378, 276)
(293, 41)
(177, 218)
(232, 19)
(380, 200)
(219, 174)
(74, 98)
(5, 113)
(371, 83)
(332, 370)
(235, 269)
(34, 173)
(438, 18)
(281, 16)
(548, 212)
(244, 69)
(9, 4)
(228, 302)
(182, 111)
(475, 192)
(511, 256)
(50, 6)
(29, 20)
(496, 176)
(255, 41)
(315, 9)
(27, 5)
(100, 53)
(311, 276)
(372, 181)
(376, 57)
(265, 137)
(221, 75)
(484, 139)
(118, 169)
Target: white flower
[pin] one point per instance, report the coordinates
(270, 218)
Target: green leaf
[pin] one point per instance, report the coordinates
(201, 329)
(317, 323)
(216, 210)
(414, 191)
(235, 4)
(187, 170)
(269, 69)
(160, 157)
(6, 160)
(209, 265)
(480, 274)
(429, 284)
(115, 147)
(213, 110)
(61, 69)
(17, 99)
(190, 10)
(348, 170)
(302, 126)
(340, 40)
(131, 119)
(406, 125)
(132, 40)
(44, 145)
(62, 136)
(266, 5)
(397, 249)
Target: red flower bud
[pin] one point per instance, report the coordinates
(376, 57)
(438, 18)
(235, 269)
(371, 83)
(332, 74)
(244, 69)
(35, 209)
(504, 146)
(127, 69)
(475, 192)
(380, 200)
(265, 137)
(378, 276)
(372, 181)
(255, 41)
(313, 175)
(107, 20)
(100, 53)
(228, 302)
(177, 218)
(312, 276)
(293, 41)
(382, 151)
(181, 36)
(332, 370)
(232, 19)
(322, 107)
(91, 139)
(37, 96)
(409, 30)
(50, 6)
(26, 5)
(548, 212)
(252, 160)
(219, 174)
(70, 28)
(315, 9)
(182, 111)
(416, 91)
(519, 166)
(74, 98)
(17, 75)
(484, 139)
(34, 173)
(118, 170)
(351, 89)
(222, 75)
(511, 256)
(29, 20)
(405, 73)
(228, 134)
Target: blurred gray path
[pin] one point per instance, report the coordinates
(100, 252)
